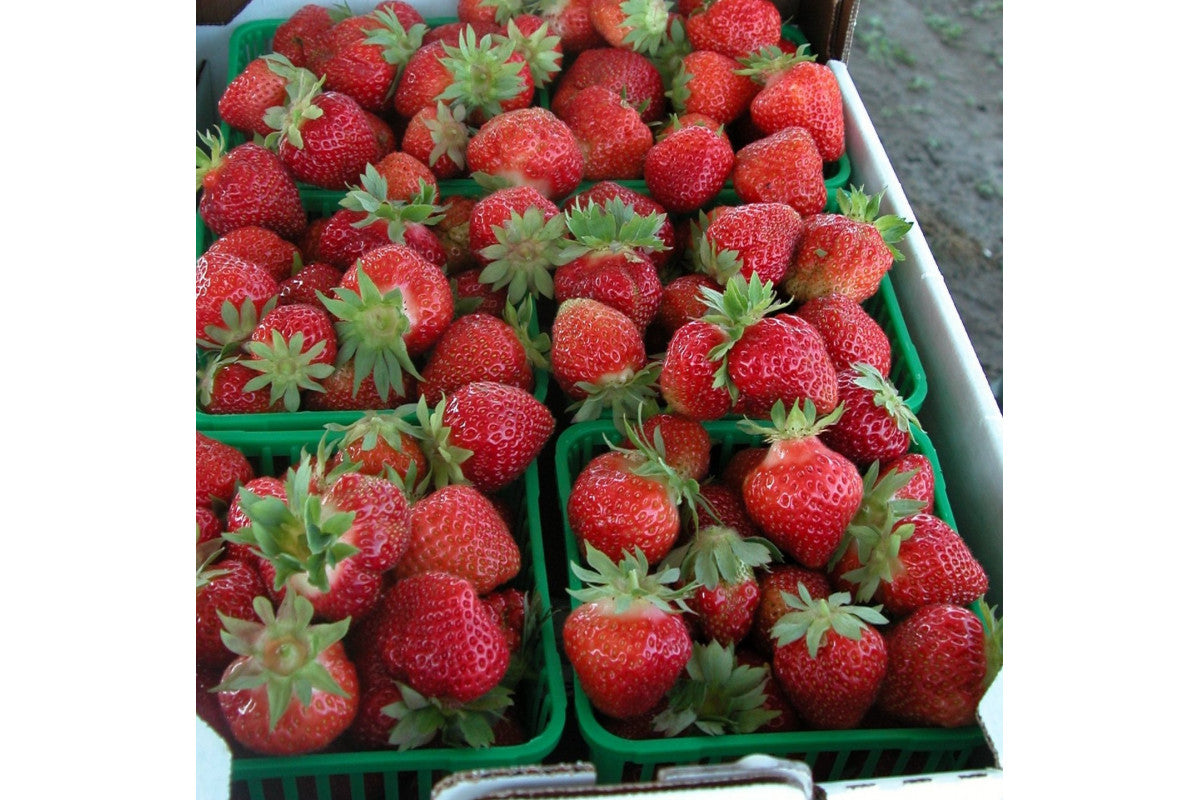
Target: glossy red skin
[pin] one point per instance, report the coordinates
(428, 301)
(504, 427)
(528, 147)
(417, 141)
(734, 473)
(249, 95)
(784, 167)
(473, 11)
(682, 302)
(491, 301)
(782, 578)
(628, 283)
(687, 168)
(497, 208)
(220, 469)
(764, 235)
(611, 134)
(301, 729)
(921, 486)
(338, 145)
(475, 347)
(297, 31)
(372, 727)
(851, 335)
(307, 285)
(594, 343)
(936, 566)
(802, 496)
(726, 612)
(229, 395)
(715, 89)
(642, 204)
(376, 460)
(625, 663)
(341, 394)
(687, 373)
(436, 635)
(615, 510)
(569, 20)
(209, 525)
(222, 277)
(341, 242)
(312, 323)
(425, 78)
(835, 690)
(508, 607)
(454, 231)
(406, 13)
(403, 174)
(836, 254)
(730, 510)
(687, 442)
(449, 31)
(936, 667)
(232, 594)
(866, 432)
(385, 135)
(235, 518)
(262, 246)
(806, 95)
(734, 28)
(360, 71)
(781, 358)
(617, 69)
(456, 530)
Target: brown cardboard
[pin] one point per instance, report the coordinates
(827, 24)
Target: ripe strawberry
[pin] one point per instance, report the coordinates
(781, 358)
(209, 525)
(638, 25)
(436, 636)
(734, 28)
(231, 295)
(570, 22)
(687, 168)
(802, 494)
(603, 191)
(221, 388)
(526, 147)
(341, 391)
(538, 45)
(514, 612)
(481, 347)
(598, 358)
(404, 178)
(919, 487)
(747, 239)
(708, 83)
(485, 75)
(381, 444)
(484, 433)
(829, 658)
(718, 695)
(631, 75)
(799, 92)
(941, 659)
(610, 132)
(368, 69)
(292, 689)
(457, 530)
(739, 465)
(851, 335)
(876, 424)
(292, 349)
(451, 32)
(309, 282)
(247, 186)
(781, 579)
(385, 136)
(682, 301)
(688, 379)
(493, 11)
(625, 640)
(393, 305)
(406, 13)
(686, 444)
(236, 519)
(471, 295)
(223, 586)
(296, 33)
(847, 252)
(722, 505)
(345, 32)
(516, 233)
(220, 469)
(395, 203)
(260, 86)
(437, 135)
(454, 232)
(774, 700)
(262, 246)
(784, 167)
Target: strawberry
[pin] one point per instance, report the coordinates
(798, 92)
(722, 505)
(381, 444)
(236, 518)
(941, 659)
(514, 612)
(606, 260)
(397, 205)
(249, 185)
(457, 530)
(784, 167)
(345, 32)
(516, 233)
(261, 246)
(485, 75)
(493, 11)
(847, 252)
(774, 699)
(451, 32)
(231, 296)
(829, 658)
(610, 132)
(437, 135)
(688, 377)
(526, 147)
(625, 639)
(603, 191)
(687, 168)
(638, 25)
(781, 358)
(570, 21)
(471, 295)
(851, 335)
(393, 305)
(291, 690)
(682, 301)
(223, 586)
(686, 444)
(406, 13)
(220, 469)
(385, 135)
(481, 347)
(781, 579)
(538, 45)
(331, 543)
(598, 359)
(717, 695)
(368, 70)
(292, 348)
(876, 424)
(209, 525)
(708, 83)
(294, 35)
(747, 239)
(920, 486)
(454, 232)
(258, 87)
(342, 392)
(436, 636)
(802, 495)
(221, 388)
(739, 465)
(631, 75)
(404, 178)
(484, 433)
(309, 283)
(734, 28)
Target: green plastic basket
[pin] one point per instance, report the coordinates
(833, 755)
(542, 702)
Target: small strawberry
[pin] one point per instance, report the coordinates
(260, 86)
(682, 301)
(368, 70)
(223, 586)
(722, 505)
(734, 28)
(457, 530)
(784, 167)
(876, 424)
(739, 465)
(920, 486)
(309, 283)
(516, 233)
(454, 232)
(481, 347)
(782, 578)
(688, 379)
(847, 252)
(708, 83)
(797, 92)
(381, 444)
(292, 349)
(220, 469)
(631, 75)
(748, 239)
(851, 335)
(686, 169)
(232, 294)
(472, 295)
(221, 387)
(341, 391)
(296, 33)
(775, 701)
(686, 444)
(638, 25)
(625, 640)
(570, 22)
(485, 75)
(209, 525)
(526, 147)
(291, 690)
(249, 185)
(829, 658)
(262, 246)
(538, 45)
(941, 659)
(610, 132)
(437, 135)
(718, 695)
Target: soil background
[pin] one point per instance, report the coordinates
(930, 75)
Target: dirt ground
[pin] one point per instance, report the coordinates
(930, 75)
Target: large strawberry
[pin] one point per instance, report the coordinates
(876, 424)
(754, 238)
(517, 234)
(631, 75)
(611, 134)
(801, 494)
(603, 191)
(261, 246)
(708, 83)
(625, 640)
(847, 252)
(638, 25)
(829, 658)
(782, 578)
(482, 347)
(851, 335)
(485, 75)
(232, 294)
(526, 147)
(687, 168)
(797, 91)
(570, 22)
(295, 34)
(718, 694)
(784, 167)
(292, 349)
(734, 28)
(249, 185)
(291, 689)
(260, 86)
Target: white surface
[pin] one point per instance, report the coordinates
(975, 785)
(214, 763)
(991, 717)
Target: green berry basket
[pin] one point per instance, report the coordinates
(541, 701)
(832, 755)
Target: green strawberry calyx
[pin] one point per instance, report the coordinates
(207, 554)
(717, 695)
(372, 200)
(886, 396)
(445, 459)
(540, 49)
(668, 58)
(879, 555)
(299, 535)
(482, 74)
(397, 43)
(879, 508)
(520, 319)
(627, 393)
(287, 121)
(787, 425)
(649, 457)
(993, 642)
(612, 227)
(646, 23)
(286, 368)
(450, 134)
(738, 306)
(718, 554)
(862, 207)
(505, 9)
(212, 160)
(629, 581)
(528, 248)
(280, 652)
(770, 62)
(421, 719)
(237, 323)
(816, 620)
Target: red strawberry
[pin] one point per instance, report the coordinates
(437, 135)
(263, 247)
(367, 70)
(323, 137)
(231, 296)
(734, 28)
(223, 586)
(451, 32)
(569, 20)
(221, 388)
(292, 348)
(471, 295)
(292, 690)
(347, 235)
(687, 377)
(309, 283)
(739, 465)
(775, 700)
(403, 175)
(784, 167)
(829, 658)
(611, 134)
(248, 186)
(941, 659)
(516, 234)
(479, 347)
(708, 83)
(342, 392)
(294, 35)
(603, 191)
(802, 495)
(686, 169)
(220, 469)
(851, 335)
(747, 239)
(406, 13)
(457, 530)
(493, 11)
(381, 444)
(687, 444)
(719, 694)
(512, 610)
(723, 506)
(260, 86)
(781, 579)
(847, 252)
(625, 639)
(921, 486)
(485, 75)
(209, 525)
(345, 32)
(631, 75)
(781, 358)
(798, 91)
(876, 424)
(454, 232)
(236, 519)
(396, 203)
(526, 147)
(640, 25)
(682, 301)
